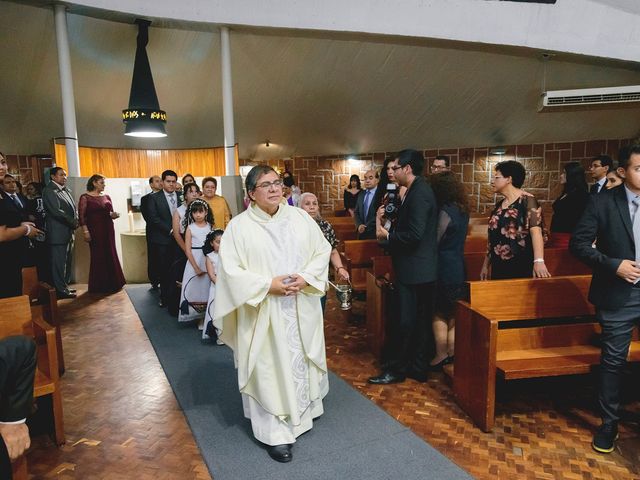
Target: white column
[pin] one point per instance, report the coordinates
(227, 104)
(66, 87)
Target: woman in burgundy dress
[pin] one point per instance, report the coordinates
(96, 219)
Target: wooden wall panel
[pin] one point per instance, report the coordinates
(135, 163)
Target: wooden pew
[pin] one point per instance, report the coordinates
(41, 293)
(358, 259)
(345, 232)
(380, 284)
(559, 261)
(19, 468)
(19, 318)
(341, 221)
(476, 243)
(522, 328)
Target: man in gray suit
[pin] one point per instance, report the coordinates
(61, 221)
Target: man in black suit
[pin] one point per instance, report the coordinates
(160, 208)
(14, 199)
(17, 371)
(155, 182)
(600, 166)
(612, 220)
(61, 220)
(365, 211)
(413, 247)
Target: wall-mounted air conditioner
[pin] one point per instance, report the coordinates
(590, 96)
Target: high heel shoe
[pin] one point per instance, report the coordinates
(438, 366)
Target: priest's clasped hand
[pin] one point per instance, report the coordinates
(287, 284)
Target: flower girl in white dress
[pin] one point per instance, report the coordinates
(195, 282)
(212, 260)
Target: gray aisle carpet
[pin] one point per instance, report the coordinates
(353, 439)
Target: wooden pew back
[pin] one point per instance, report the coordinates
(528, 298)
(358, 255)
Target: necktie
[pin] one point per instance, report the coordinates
(172, 199)
(595, 188)
(367, 202)
(636, 228)
(16, 200)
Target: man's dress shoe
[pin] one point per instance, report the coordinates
(64, 295)
(386, 378)
(418, 376)
(280, 453)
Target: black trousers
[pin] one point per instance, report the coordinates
(163, 256)
(152, 266)
(617, 327)
(11, 278)
(409, 345)
(17, 371)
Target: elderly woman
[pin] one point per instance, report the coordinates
(96, 216)
(516, 244)
(268, 310)
(309, 203)
(218, 204)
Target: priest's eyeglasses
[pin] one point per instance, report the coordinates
(275, 183)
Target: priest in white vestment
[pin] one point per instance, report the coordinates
(273, 271)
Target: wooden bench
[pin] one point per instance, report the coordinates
(358, 259)
(345, 232)
(559, 261)
(380, 284)
(19, 318)
(44, 295)
(476, 243)
(341, 221)
(522, 328)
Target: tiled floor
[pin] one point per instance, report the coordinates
(122, 420)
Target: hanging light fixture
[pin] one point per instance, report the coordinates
(143, 118)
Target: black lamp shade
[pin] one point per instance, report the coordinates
(143, 118)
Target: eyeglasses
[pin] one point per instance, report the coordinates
(397, 167)
(438, 167)
(275, 183)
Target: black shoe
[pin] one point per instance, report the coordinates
(438, 366)
(605, 437)
(161, 304)
(72, 290)
(417, 376)
(280, 453)
(155, 287)
(386, 378)
(64, 295)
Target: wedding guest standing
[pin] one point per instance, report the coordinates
(219, 206)
(568, 208)
(96, 217)
(351, 194)
(155, 183)
(62, 221)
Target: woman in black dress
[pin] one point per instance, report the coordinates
(351, 194)
(568, 208)
(453, 221)
(516, 242)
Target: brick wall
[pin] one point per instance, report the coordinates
(327, 176)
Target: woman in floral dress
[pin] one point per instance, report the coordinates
(515, 241)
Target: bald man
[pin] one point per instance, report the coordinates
(365, 212)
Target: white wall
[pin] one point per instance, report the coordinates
(589, 27)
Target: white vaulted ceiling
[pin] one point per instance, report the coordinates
(308, 92)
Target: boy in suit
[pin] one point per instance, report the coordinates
(612, 220)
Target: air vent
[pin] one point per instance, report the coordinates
(590, 96)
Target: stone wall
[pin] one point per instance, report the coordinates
(327, 176)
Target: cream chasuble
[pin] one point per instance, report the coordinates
(278, 341)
